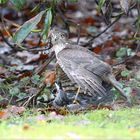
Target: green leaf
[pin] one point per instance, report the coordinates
(3, 1)
(48, 21)
(19, 4)
(125, 73)
(73, 0)
(101, 3)
(121, 52)
(14, 91)
(35, 79)
(127, 90)
(130, 52)
(21, 95)
(27, 27)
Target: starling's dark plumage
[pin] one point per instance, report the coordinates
(82, 66)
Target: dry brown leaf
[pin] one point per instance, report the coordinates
(89, 21)
(3, 115)
(16, 110)
(26, 126)
(12, 110)
(50, 78)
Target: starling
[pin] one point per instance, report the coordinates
(82, 66)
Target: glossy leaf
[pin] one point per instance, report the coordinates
(27, 27)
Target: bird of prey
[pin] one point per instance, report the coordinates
(82, 66)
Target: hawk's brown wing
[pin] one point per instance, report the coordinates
(82, 67)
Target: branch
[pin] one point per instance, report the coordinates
(117, 19)
(41, 69)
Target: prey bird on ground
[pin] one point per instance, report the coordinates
(83, 66)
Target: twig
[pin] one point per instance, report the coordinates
(20, 100)
(102, 14)
(12, 46)
(64, 19)
(39, 41)
(119, 16)
(6, 41)
(39, 92)
(34, 96)
(124, 60)
(91, 40)
(28, 101)
(37, 49)
(1, 34)
(39, 71)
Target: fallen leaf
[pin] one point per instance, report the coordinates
(89, 21)
(26, 126)
(4, 115)
(54, 116)
(50, 78)
(3, 102)
(30, 57)
(138, 54)
(2, 70)
(15, 110)
(125, 5)
(10, 111)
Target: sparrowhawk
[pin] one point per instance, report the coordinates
(82, 66)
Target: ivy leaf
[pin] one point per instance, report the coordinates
(125, 73)
(14, 91)
(121, 52)
(27, 27)
(35, 79)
